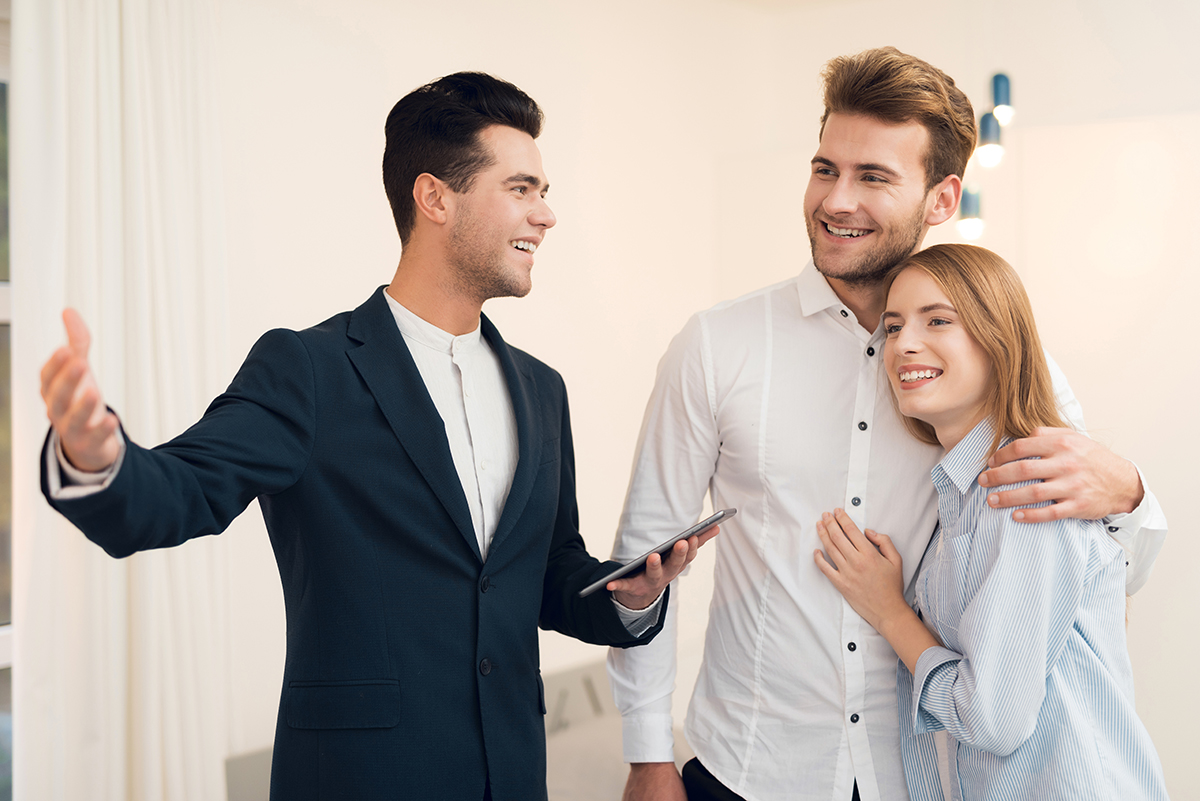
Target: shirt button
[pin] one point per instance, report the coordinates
(854, 718)
(856, 501)
(1113, 529)
(845, 313)
(485, 584)
(862, 426)
(485, 667)
(852, 647)
(870, 351)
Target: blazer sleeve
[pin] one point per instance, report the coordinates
(254, 439)
(570, 568)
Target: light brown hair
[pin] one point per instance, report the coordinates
(991, 302)
(897, 88)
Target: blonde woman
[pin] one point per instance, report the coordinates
(1015, 642)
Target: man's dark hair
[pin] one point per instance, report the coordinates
(435, 129)
(897, 88)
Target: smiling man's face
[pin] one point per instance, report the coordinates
(866, 207)
(501, 220)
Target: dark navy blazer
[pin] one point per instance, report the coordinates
(412, 665)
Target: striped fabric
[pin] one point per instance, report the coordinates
(1033, 685)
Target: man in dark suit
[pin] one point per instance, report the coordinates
(416, 475)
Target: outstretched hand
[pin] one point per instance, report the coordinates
(1084, 479)
(86, 428)
(869, 570)
(638, 592)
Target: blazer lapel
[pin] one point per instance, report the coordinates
(526, 408)
(385, 364)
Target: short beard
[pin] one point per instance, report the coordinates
(877, 262)
(477, 273)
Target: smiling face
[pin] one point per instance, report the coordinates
(866, 206)
(499, 222)
(938, 373)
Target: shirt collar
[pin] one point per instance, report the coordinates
(426, 333)
(816, 294)
(966, 460)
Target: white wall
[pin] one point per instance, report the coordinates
(677, 139)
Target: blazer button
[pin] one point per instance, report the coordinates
(485, 584)
(485, 667)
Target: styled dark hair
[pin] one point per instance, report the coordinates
(435, 129)
(897, 88)
(994, 309)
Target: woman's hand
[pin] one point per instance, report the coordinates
(869, 570)
(869, 575)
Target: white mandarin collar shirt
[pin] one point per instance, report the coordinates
(776, 403)
(465, 379)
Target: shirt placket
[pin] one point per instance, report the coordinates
(460, 355)
(855, 503)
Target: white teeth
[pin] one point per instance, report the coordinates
(846, 232)
(918, 375)
(521, 244)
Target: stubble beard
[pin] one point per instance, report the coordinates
(875, 264)
(477, 269)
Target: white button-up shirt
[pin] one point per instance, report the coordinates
(776, 404)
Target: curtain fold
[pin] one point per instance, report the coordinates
(121, 668)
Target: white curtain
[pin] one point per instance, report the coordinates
(120, 667)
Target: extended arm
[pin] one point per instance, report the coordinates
(86, 429)
(254, 439)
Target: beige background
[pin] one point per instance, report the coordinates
(678, 134)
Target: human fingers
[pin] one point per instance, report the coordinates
(851, 531)
(885, 545)
(1042, 441)
(53, 366)
(823, 565)
(78, 337)
(63, 389)
(833, 547)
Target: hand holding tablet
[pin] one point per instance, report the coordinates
(635, 566)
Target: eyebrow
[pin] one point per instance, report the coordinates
(866, 167)
(924, 310)
(525, 178)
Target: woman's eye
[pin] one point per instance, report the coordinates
(939, 321)
(894, 328)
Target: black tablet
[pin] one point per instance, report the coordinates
(661, 549)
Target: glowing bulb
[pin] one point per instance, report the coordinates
(970, 228)
(1002, 98)
(989, 155)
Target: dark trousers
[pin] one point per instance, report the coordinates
(703, 786)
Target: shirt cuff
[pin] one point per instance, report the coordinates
(1141, 533)
(638, 621)
(67, 482)
(647, 738)
(931, 689)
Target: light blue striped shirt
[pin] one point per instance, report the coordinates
(1033, 684)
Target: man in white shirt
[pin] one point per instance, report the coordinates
(775, 403)
(416, 476)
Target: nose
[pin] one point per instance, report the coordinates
(908, 339)
(841, 199)
(541, 215)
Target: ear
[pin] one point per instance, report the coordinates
(430, 194)
(943, 200)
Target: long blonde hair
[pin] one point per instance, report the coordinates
(995, 311)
